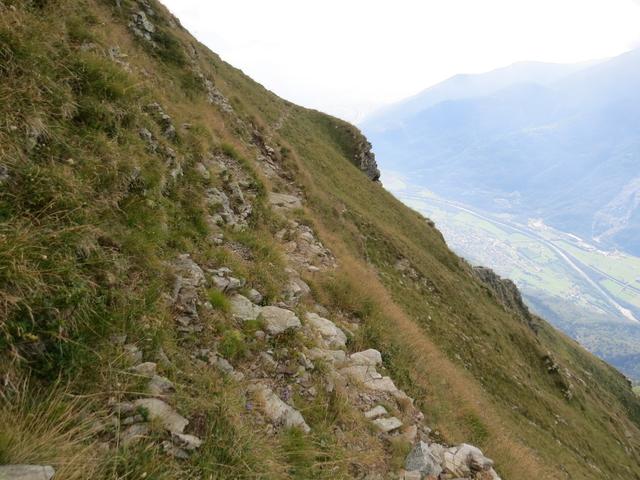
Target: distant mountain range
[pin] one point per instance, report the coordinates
(534, 170)
(555, 142)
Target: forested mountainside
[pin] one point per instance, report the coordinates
(199, 279)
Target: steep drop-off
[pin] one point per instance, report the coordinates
(199, 279)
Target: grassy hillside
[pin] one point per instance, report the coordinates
(119, 132)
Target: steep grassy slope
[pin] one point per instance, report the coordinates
(114, 134)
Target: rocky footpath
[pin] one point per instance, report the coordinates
(317, 357)
(273, 379)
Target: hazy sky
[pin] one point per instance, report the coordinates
(347, 57)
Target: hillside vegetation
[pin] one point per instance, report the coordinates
(194, 275)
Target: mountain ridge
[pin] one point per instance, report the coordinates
(462, 86)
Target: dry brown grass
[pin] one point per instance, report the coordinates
(48, 428)
(455, 391)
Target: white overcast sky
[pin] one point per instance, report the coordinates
(348, 57)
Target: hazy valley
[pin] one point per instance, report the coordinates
(533, 170)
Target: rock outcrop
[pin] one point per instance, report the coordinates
(506, 293)
(365, 158)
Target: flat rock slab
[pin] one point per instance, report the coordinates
(26, 472)
(284, 201)
(369, 357)
(147, 369)
(331, 356)
(376, 412)
(160, 386)
(166, 415)
(188, 442)
(188, 271)
(384, 384)
(243, 308)
(387, 424)
(331, 335)
(278, 320)
(278, 411)
(465, 459)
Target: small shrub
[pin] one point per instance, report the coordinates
(169, 48)
(477, 429)
(233, 346)
(229, 150)
(252, 326)
(218, 300)
(47, 428)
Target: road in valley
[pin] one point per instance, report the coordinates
(573, 263)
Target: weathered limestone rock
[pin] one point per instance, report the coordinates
(134, 433)
(507, 293)
(331, 335)
(284, 201)
(142, 26)
(384, 384)
(160, 386)
(243, 309)
(185, 441)
(147, 369)
(465, 460)
(278, 320)
(26, 472)
(223, 281)
(387, 425)
(255, 296)
(369, 378)
(278, 411)
(132, 353)
(364, 157)
(163, 413)
(330, 356)
(369, 357)
(423, 460)
(376, 412)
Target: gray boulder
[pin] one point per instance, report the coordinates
(331, 335)
(422, 459)
(464, 460)
(387, 425)
(243, 309)
(277, 320)
(159, 411)
(368, 357)
(278, 411)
